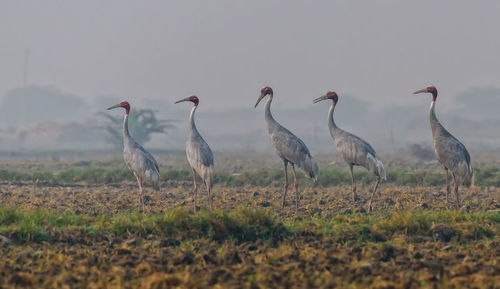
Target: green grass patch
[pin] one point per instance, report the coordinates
(27, 226)
(248, 225)
(241, 225)
(374, 228)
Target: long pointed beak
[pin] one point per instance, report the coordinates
(316, 100)
(114, 106)
(184, 99)
(260, 98)
(420, 91)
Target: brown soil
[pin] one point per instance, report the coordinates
(325, 201)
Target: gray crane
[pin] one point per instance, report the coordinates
(289, 148)
(199, 154)
(450, 152)
(354, 150)
(137, 159)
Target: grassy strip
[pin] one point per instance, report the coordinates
(457, 225)
(242, 225)
(247, 225)
(96, 175)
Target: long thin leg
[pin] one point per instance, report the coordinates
(296, 184)
(447, 184)
(456, 188)
(195, 189)
(141, 194)
(285, 186)
(354, 197)
(373, 194)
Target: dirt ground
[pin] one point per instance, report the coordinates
(97, 199)
(311, 260)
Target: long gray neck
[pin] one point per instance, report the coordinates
(331, 123)
(125, 128)
(435, 124)
(271, 123)
(192, 125)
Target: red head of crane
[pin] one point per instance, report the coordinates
(193, 98)
(123, 104)
(430, 89)
(329, 95)
(266, 90)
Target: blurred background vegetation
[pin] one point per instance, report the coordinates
(142, 123)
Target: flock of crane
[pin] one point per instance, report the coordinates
(450, 152)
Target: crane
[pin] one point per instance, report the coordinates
(450, 152)
(137, 159)
(199, 154)
(354, 150)
(288, 147)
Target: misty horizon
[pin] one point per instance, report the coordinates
(63, 63)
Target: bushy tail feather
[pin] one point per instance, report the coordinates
(376, 166)
(209, 178)
(315, 172)
(381, 170)
(310, 167)
(206, 175)
(156, 185)
(469, 179)
(154, 177)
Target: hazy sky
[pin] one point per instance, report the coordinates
(225, 51)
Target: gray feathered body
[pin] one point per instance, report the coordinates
(354, 150)
(138, 160)
(289, 147)
(199, 154)
(450, 152)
